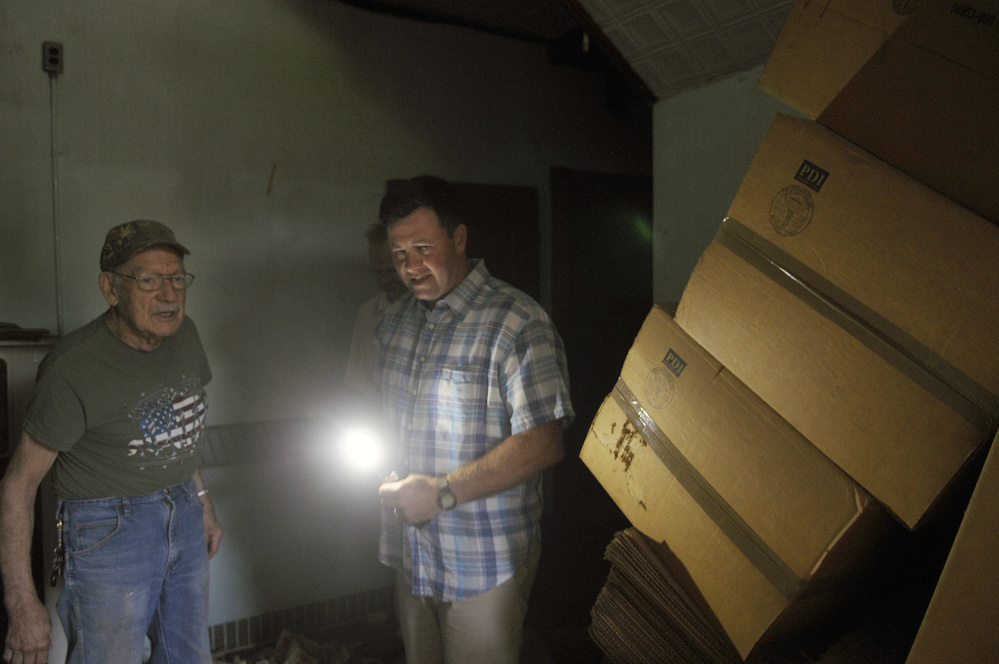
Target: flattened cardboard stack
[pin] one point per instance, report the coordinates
(861, 306)
(768, 529)
(645, 615)
(916, 83)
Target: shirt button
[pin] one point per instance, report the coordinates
(423, 358)
(413, 393)
(409, 427)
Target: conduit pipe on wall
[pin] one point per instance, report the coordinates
(53, 73)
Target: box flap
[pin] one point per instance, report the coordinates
(823, 45)
(926, 102)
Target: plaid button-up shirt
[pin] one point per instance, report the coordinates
(456, 380)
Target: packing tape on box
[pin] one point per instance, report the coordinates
(765, 559)
(945, 382)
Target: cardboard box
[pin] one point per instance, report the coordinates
(864, 406)
(823, 45)
(916, 83)
(860, 305)
(758, 517)
(914, 266)
(960, 622)
(927, 102)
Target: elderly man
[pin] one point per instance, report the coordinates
(472, 377)
(117, 413)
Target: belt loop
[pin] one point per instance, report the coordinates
(126, 506)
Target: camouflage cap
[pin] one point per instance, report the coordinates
(125, 240)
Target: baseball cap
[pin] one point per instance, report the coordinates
(125, 240)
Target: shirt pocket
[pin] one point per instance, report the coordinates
(462, 385)
(460, 400)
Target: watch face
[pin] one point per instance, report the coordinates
(446, 499)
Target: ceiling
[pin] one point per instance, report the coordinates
(662, 46)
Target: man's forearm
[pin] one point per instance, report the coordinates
(512, 462)
(18, 488)
(17, 523)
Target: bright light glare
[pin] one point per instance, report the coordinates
(362, 449)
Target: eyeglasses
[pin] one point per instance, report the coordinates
(154, 282)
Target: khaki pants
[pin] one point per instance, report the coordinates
(484, 629)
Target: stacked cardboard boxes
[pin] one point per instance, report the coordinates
(860, 305)
(916, 83)
(834, 352)
(835, 342)
(768, 528)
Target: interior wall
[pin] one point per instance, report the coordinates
(704, 142)
(262, 131)
(295, 534)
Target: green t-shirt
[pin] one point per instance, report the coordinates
(125, 422)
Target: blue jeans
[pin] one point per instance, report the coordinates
(136, 567)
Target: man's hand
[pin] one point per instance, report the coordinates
(512, 462)
(29, 634)
(213, 529)
(412, 499)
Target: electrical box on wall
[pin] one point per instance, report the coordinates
(52, 60)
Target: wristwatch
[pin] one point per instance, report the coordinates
(446, 500)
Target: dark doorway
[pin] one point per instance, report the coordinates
(503, 230)
(601, 292)
(601, 278)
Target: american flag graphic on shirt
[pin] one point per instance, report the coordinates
(171, 421)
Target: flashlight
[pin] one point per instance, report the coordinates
(362, 450)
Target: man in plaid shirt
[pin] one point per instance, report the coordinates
(473, 382)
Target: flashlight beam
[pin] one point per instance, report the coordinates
(362, 450)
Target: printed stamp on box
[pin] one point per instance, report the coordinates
(791, 210)
(659, 388)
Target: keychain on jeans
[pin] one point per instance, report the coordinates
(57, 555)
